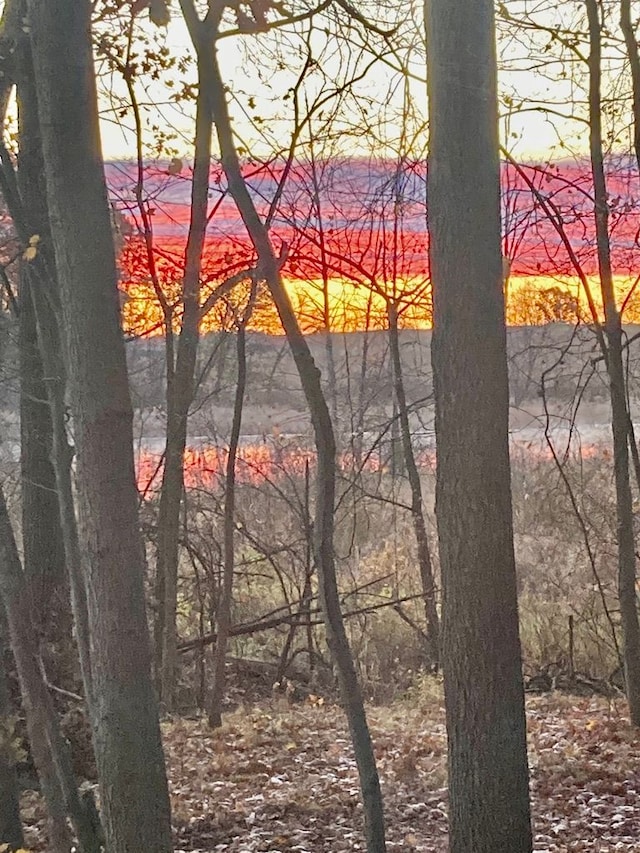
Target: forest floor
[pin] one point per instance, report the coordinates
(284, 779)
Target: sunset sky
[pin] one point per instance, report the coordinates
(369, 247)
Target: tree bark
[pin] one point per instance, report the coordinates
(488, 776)
(43, 550)
(42, 534)
(42, 509)
(27, 204)
(620, 415)
(127, 742)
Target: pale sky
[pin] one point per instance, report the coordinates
(531, 134)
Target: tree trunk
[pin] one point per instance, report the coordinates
(223, 615)
(180, 391)
(488, 776)
(127, 742)
(620, 415)
(42, 536)
(631, 44)
(316, 202)
(203, 37)
(29, 211)
(43, 429)
(41, 533)
(48, 747)
(325, 490)
(417, 512)
(10, 822)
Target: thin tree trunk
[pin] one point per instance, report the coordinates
(488, 776)
(10, 822)
(48, 747)
(223, 615)
(203, 36)
(316, 200)
(127, 742)
(307, 592)
(417, 512)
(62, 455)
(362, 386)
(620, 416)
(631, 45)
(180, 391)
(633, 55)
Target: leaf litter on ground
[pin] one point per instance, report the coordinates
(275, 780)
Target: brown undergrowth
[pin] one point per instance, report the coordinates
(277, 778)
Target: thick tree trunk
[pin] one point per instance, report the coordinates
(417, 511)
(128, 748)
(27, 205)
(40, 286)
(488, 776)
(203, 36)
(10, 822)
(44, 550)
(41, 373)
(620, 415)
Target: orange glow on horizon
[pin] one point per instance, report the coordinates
(531, 300)
(538, 299)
